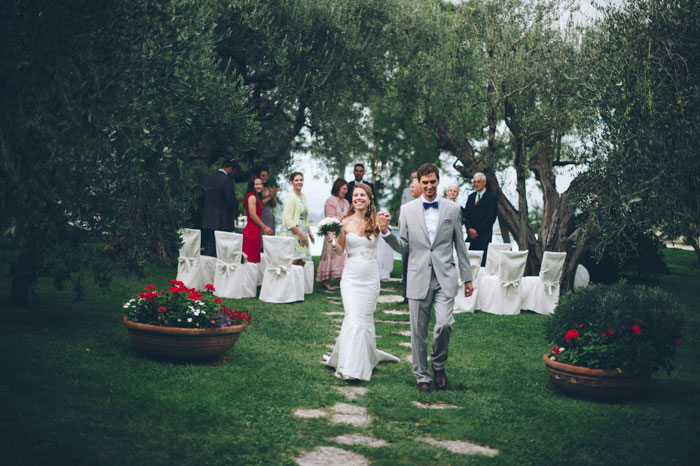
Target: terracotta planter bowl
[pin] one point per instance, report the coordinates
(182, 344)
(594, 383)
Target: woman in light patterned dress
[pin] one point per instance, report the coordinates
(295, 220)
(331, 264)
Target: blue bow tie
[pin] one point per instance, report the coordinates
(428, 205)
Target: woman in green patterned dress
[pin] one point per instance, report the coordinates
(295, 220)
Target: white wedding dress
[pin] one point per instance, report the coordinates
(355, 353)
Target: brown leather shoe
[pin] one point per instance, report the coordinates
(424, 387)
(440, 379)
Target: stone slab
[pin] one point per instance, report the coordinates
(331, 456)
(460, 447)
(310, 413)
(356, 439)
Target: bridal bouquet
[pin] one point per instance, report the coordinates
(182, 307)
(328, 225)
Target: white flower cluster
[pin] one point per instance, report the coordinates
(329, 224)
(130, 303)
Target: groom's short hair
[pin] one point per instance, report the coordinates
(428, 168)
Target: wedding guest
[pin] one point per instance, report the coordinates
(359, 173)
(220, 205)
(452, 192)
(479, 216)
(407, 194)
(255, 226)
(295, 220)
(331, 264)
(269, 200)
(414, 192)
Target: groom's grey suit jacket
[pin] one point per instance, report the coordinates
(424, 256)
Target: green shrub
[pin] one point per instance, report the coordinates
(627, 327)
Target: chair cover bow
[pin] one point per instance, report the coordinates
(278, 269)
(513, 283)
(187, 261)
(224, 267)
(550, 286)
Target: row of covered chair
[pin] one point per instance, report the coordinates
(234, 277)
(500, 287)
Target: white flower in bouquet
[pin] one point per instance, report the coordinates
(328, 225)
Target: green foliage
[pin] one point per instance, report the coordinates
(646, 89)
(182, 307)
(622, 327)
(112, 113)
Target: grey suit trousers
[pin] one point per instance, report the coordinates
(420, 318)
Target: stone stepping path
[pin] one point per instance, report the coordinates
(392, 279)
(337, 321)
(356, 439)
(389, 298)
(405, 344)
(352, 393)
(310, 413)
(460, 447)
(396, 312)
(405, 322)
(438, 405)
(334, 313)
(405, 333)
(331, 456)
(350, 414)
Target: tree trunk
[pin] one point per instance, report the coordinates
(693, 241)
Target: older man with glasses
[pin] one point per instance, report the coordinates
(480, 215)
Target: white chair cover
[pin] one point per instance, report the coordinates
(282, 282)
(188, 265)
(261, 267)
(308, 277)
(493, 257)
(232, 277)
(582, 277)
(500, 294)
(208, 269)
(463, 304)
(541, 293)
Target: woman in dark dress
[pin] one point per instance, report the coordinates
(252, 238)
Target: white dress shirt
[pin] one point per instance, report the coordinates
(431, 216)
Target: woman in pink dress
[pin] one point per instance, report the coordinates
(253, 209)
(331, 265)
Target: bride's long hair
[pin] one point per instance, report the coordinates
(371, 227)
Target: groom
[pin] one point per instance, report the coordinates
(430, 228)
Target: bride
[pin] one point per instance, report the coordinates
(355, 353)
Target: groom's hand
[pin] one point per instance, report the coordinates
(468, 289)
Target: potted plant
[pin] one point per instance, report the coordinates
(182, 323)
(607, 340)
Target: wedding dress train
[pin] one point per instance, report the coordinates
(355, 353)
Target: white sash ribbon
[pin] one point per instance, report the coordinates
(224, 267)
(188, 262)
(278, 269)
(549, 286)
(514, 284)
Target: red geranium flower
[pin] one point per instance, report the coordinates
(678, 341)
(610, 331)
(218, 301)
(572, 335)
(150, 288)
(580, 326)
(636, 330)
(161, 309)
(209, 287)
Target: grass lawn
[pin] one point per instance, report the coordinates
(74, 391)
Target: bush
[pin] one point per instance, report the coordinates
(624, 327)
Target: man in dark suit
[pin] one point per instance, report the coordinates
(479, 216)
(220, 205)
(359, 172)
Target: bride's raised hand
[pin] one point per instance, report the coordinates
(330, 236)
